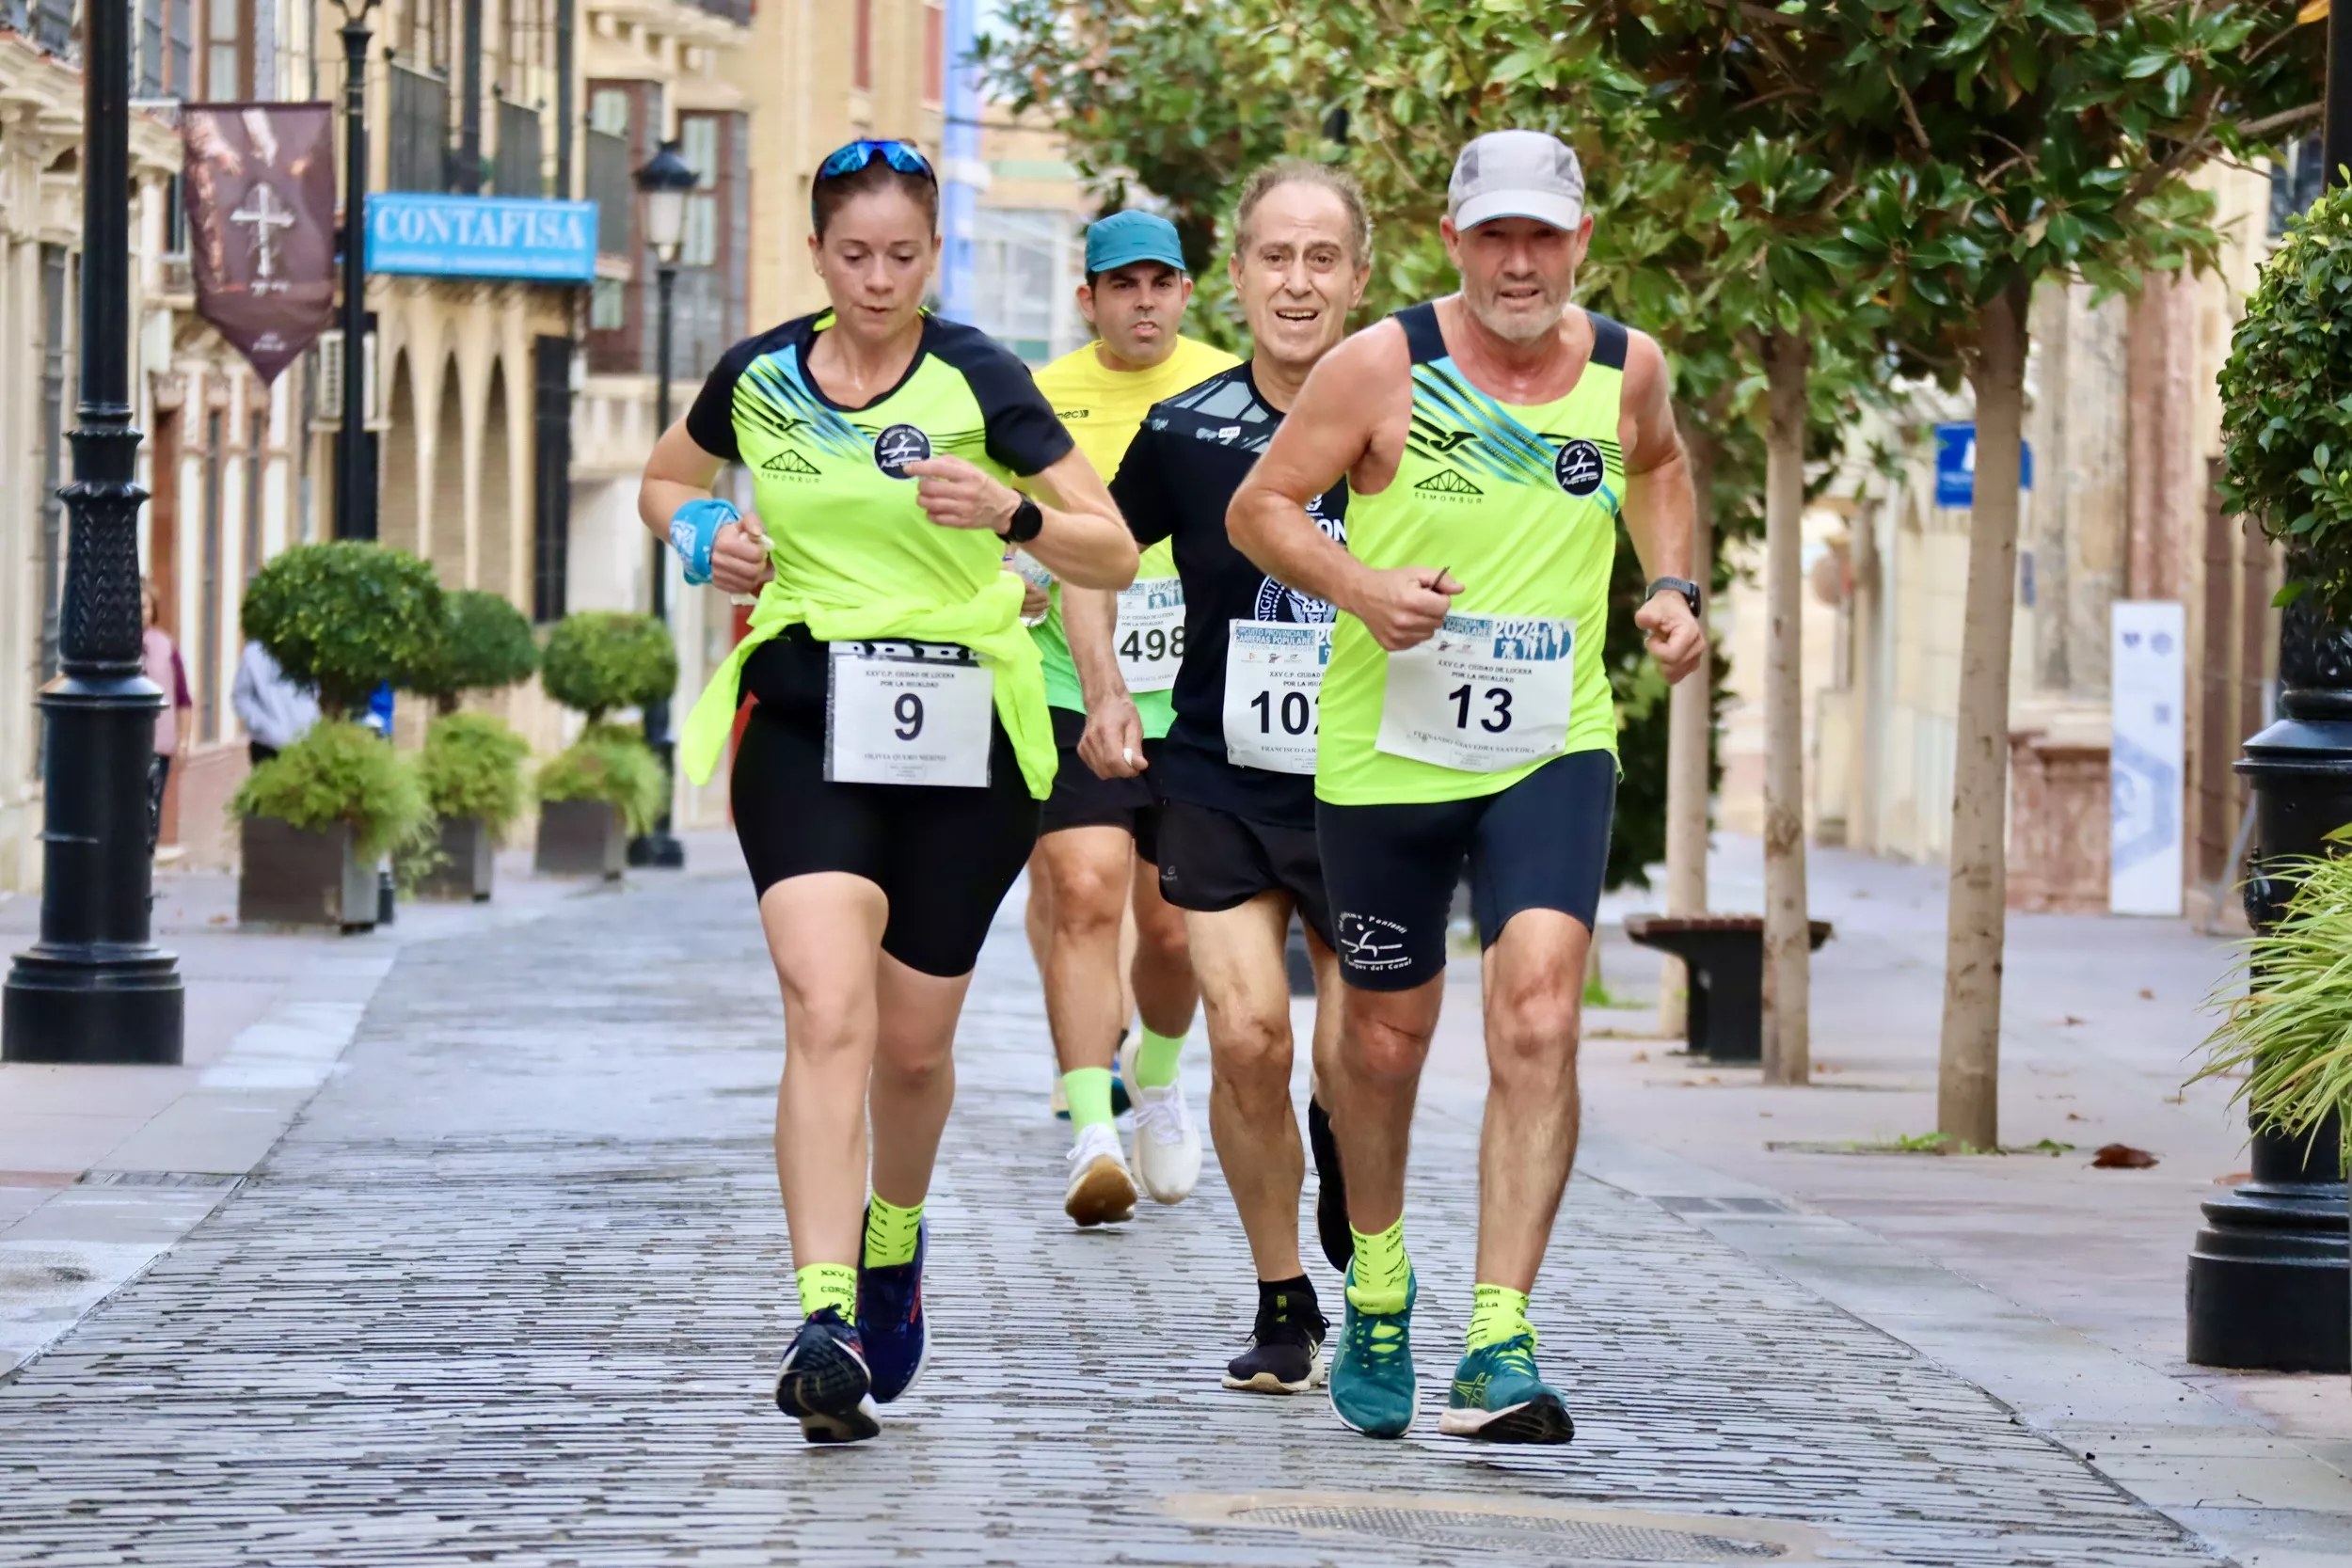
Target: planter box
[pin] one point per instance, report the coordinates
(295, 877)
(581, 838)
(469, 856)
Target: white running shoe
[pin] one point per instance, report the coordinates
(1167, 1144)
(1101, 1190)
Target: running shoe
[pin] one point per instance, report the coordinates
(1496, 1397)
(824, 1384)
(1339, 1243)
(1101, 1190)
(1167, 1144)
(890, 1322)
(1372, 1378)
(1285, 1353)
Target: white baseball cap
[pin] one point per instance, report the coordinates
(1516, 174)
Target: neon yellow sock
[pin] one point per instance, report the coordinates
(1377, 1282)
(1156, 1060)
(891, 1233)
(824, 1285)
(1498, 1314)
(1088, 1090)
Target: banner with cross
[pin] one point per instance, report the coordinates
(261, 205)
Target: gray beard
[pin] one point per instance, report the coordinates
(1525, 329)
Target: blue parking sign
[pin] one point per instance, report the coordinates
(1956, 464)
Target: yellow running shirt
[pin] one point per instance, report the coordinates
(1103, 408)
(1520, 504)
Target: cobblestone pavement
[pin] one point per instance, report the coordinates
(512, 1289)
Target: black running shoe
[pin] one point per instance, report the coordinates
(1285, 1353)
(1339, 1243)
(824, 1382)
(890, 1325)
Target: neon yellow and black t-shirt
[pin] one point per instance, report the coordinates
(1103, 408)
(855, 557)
(1520, 503)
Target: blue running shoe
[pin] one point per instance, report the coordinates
(890, 1321)
(824, 1382)
(1496, 1397)
(1372, 1377)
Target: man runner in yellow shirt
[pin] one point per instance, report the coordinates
(1101, 821)
(1490, 442)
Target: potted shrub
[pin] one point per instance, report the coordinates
(341, 618)
(472, 762)
(608, 785)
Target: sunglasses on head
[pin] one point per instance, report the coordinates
(903, 156)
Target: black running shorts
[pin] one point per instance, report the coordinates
(1211, 860)
(1543, 844)
(1084, 799)
(943, 857)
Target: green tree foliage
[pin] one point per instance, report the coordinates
(340, 773)
(613, 765)
(345, 617)
(2286, 405)
(488, 645)
(597, 660)
(472, 766)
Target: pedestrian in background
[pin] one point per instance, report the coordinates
(276, 711)
(159, 659)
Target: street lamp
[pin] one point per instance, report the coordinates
(94, 987)
(355, 476)
(663, 183)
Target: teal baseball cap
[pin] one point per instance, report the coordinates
(1127, 237)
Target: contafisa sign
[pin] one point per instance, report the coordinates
(482, 236)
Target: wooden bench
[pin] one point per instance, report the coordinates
(1724, 954)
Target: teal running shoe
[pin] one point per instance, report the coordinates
(1372, 1377)
(1498, 1398)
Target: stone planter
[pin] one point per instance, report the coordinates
(581, 838)
(296, 877)
(469, 856)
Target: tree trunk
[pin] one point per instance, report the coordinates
(1788, 948)
(1690, 731)
(1968, 1081)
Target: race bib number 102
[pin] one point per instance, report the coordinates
(908, 713)
(1486, 693)
(1273, 691)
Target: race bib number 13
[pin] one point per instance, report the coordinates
(908, 713)
(1149, 638)
(1486, 693)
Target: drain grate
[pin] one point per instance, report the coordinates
(1727, 1205)
(158, 1178)
(1541, 1537)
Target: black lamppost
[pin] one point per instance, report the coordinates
(94, 987)
(354, 476)
(664, 182)
(2269, 1284)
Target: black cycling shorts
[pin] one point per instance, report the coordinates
(1211, 860)
(1084, 799)
(943, 856)
(1543, 844)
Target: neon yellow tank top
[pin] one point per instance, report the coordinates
(1520, 504)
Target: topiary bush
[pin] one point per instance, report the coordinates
(597, 660)
(341, 771)
(487, 645)
(611, 764)
(346, 617)
(472, 766)
(2286, 405)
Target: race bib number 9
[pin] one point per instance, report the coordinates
(1149, 638)
(1485, 694)
(907, 713)
(1273, 691)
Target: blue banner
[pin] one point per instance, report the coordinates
(1956, 464)
(482, 236)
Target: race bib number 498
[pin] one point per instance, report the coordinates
(1150, 637)
(1485, 694)
(908, 713)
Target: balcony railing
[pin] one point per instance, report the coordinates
(515, 171)
(418, 142)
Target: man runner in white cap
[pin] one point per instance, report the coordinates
(1490, 442)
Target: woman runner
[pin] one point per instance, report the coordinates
(887, 786)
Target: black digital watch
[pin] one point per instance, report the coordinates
(1684, 586)
(1029, 521)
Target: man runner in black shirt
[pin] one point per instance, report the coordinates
(1236, 772)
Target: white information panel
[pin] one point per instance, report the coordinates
(2148, 676)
